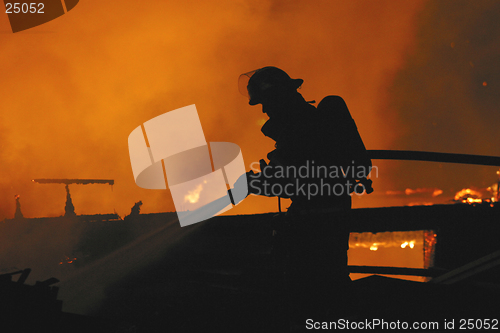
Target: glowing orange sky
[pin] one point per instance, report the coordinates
(73, 89)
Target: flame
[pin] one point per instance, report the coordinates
(437, 192)
(194, 195)
(469, 196)
(411, 244)
(385, 240)
(464, 192)
(493, 189)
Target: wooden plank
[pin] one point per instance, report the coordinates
(394, 270)
(461, 273)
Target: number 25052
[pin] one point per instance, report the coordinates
(16, 8)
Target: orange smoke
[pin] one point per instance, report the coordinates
(74, 88)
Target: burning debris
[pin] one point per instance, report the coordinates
(67, 260)
(469, 196)
(472, 197)
(407, 239)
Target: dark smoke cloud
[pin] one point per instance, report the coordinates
(447, 95)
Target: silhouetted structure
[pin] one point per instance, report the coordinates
(18, 214)
(27, 308)
(136, 210)
(73, 181)
(319, 161)
(69, 209)
(215, 275)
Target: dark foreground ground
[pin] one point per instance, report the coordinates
(217, 277)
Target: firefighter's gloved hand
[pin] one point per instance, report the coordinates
(254, 182)
(241, 188)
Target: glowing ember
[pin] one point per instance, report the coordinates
(493, 189)
(393, 239)
(411, 244)
(67, 260)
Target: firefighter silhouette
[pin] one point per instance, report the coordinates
(319, 162)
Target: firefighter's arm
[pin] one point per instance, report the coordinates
(264, 182)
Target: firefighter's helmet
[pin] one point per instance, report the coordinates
(260, 83)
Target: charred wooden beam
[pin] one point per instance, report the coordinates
(430, 272)
(74, 181)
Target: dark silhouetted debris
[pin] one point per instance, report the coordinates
(18, 215)
(135, 211)
(69, 209)
(26, 308)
